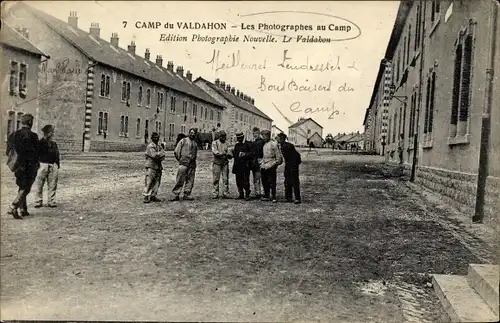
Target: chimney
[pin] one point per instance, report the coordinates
(114, 39)
(189, 76)
(228, 87)
(73, 19)
(25, 33)
(223, 84)
(217, 82)
(131, 47)
(170, 66)
(159, 60)
(95, 30)
(180, 70)
(233, 91)
(238, 93)
(253, 101)
(147, 54)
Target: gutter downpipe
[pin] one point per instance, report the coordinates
(417, 114)
(486, 120)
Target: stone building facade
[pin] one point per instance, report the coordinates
(300, 132)
(442, 55)
(101, 97)
(240, 112)
(19, 88)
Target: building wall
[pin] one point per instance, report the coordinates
(299, 135)
(234, 118)
(13, 106)
(159, 116)
(62, 90)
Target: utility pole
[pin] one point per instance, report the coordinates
(416, 121)
(486, 120)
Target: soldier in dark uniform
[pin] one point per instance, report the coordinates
(292, 161)
(242, 155)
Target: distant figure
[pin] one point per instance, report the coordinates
(401, 148)
(311, 147)
(185, 153)
(155, 154)
(22, 149)
(48, 155)
(292, 161)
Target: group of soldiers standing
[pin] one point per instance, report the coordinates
(259, 158)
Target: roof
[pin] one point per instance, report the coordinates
(300, 122)
(357, 137)
(118, 58)
(316, 133)
(233, 99)
(14, 39)
(277, 128)
(403, 11)
(346, 137)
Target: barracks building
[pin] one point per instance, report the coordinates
(436, 97)
(101, 97)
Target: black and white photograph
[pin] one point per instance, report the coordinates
(250, 161)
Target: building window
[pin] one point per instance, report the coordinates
(105, 123)
(201, 113)
(171, 132)
(138, 127)
(405, 53)
(13, 78)
(429, 105)
(158, 127)
(148, 98)
(219, 115)
(103, 85)
(139, 96)
(124, 126)
(413, 104)
(460, 108)
(108, 84)
(172, 104)
(183, 129)
(435, 7)
(394, 127)
(408, 45)
(10, 122)
(211, 114)
(195, 110)
(126, 92)
(99, 122)
(159, 102)
(184, 107)
(418, 27)
(18, 120)
(146, 128)
(398, 67)
(22, 80)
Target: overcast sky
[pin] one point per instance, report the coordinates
(357, 58)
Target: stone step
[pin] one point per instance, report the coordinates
(485, 280)
(460, 300)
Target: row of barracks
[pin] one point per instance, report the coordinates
(437, 96)
(101, 97)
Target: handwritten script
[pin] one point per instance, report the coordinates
(332, 111)
(62, 67)
(234, 60)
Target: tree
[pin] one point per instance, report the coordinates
(329, 139)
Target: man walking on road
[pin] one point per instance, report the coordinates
(257, 146)
(292, 161)
(48, 156)
(154, 157)
(185, 153)
(241, 167)
(221, 165)
(22, 149)
(271, 159)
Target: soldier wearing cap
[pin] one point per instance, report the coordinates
(155, 154)
(48, 156)
(242, 155)
(257, 146)
(22, 149)
(186, 153)
(220, 164)
(292, 161)
(271, 159)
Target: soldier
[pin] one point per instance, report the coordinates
(22, 149)
(271, 159)
(242, 155)
(257, 146)
(292, 161)
(185, 153)
(155, 154)
(221, 165)
(48, 156)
